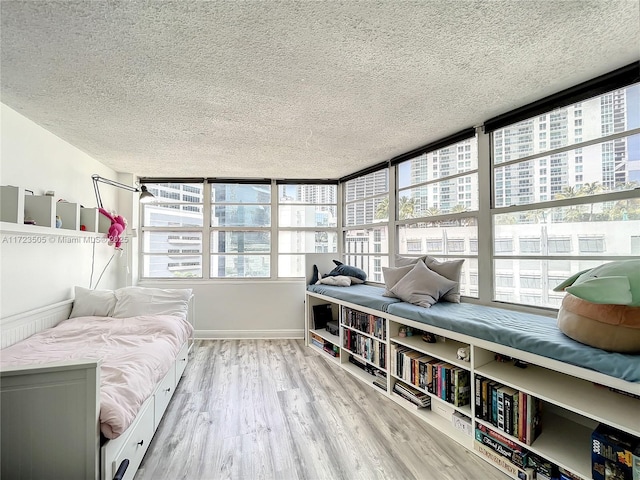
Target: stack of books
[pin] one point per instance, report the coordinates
(422, 400)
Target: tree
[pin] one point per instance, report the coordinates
(407, 208)
(589, 189)
(382, 210)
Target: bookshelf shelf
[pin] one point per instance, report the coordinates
(360, 357)
(446, 351)
(431, 418)
(326, 354)
(571, 393)
(572, 403)
(329, 337)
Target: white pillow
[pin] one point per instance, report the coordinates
(402, 261)
(336, 281)
(422, 286)
(133, 301)
(450, 270)
(392, 276)
(93, 303)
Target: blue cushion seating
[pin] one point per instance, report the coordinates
(523, 331)
(362, 294)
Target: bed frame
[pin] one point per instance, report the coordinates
(50, 414)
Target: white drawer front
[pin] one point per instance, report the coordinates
(163, 395)
(137, 443)
(181, 361)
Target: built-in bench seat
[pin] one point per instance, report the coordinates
(528, 332)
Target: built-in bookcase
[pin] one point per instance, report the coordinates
(51, 217)
(565, 403)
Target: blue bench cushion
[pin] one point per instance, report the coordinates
(361, 294)
(523, 331)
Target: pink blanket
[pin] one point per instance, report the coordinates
(136, 353)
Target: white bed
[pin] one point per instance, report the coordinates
(55, 399)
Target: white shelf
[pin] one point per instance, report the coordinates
(466, 410)
(360, 357)
(357, 330)
(359, 373)
(430, 417)
(16, 229)
(576, 395)
(330, 337)
(325, 354)
(446, 351)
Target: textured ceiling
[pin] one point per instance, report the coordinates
(292, 89)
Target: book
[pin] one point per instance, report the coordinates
(517, 457)
(508, 394)
(461, 387)
(502, 463)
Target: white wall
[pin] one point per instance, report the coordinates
(34, 275)
(247, 309)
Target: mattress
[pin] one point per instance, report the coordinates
(362, 294)
(135, 354)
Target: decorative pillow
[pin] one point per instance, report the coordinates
(614, 328)
(133, 301)
(93, 303)
(393, 276)
(401, 261)
(336, 281)
(616, 283)
(347, 271)
(450, 270)
(422, 286)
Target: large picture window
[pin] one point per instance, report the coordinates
(573, 198)
(307, 223)
(171, 245)
(366, 223)
(240, 237)
(437, 208)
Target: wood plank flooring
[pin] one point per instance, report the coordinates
(275, 409)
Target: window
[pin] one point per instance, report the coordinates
(171, 243)
(414, 246)
(503, 245)
(438, 201)
(571, 224)
(591, 244)
(366, 218)
(307, 223)
(559, 244)
(240, 237)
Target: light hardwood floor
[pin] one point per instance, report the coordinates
(274, 409)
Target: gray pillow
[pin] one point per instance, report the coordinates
(450, 270)
(393, 276)
(401, 261)
(93, 303)
(422, 286)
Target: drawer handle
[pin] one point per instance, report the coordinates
(122, 469)
(140, 443)
(167, 390)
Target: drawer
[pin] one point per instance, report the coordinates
(181, 361)
(163, 395)
(136, 444)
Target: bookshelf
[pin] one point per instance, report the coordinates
(573, 400)
(17, 206)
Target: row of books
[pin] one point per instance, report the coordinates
(381, 377)
(370, 349)
(515, 459)
(365, 322)
(515, 413)
(446, 381)
(416, 397)
(325, 345)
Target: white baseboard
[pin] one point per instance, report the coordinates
(249, 334)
